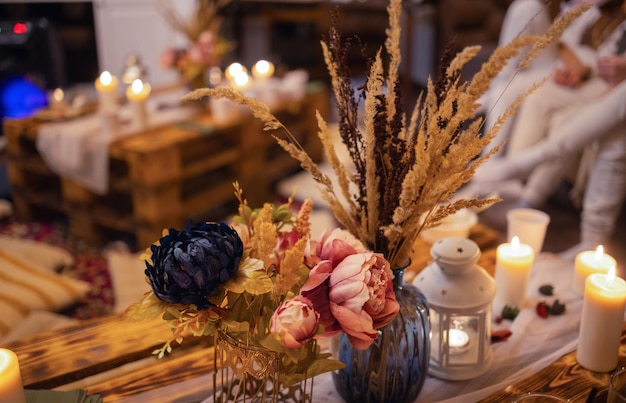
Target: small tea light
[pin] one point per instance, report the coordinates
(588, 262)
(106, 86)
(263, 69)
(458, 339)
(137, 94)
(11, 388)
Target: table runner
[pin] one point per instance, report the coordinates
(79, 149)
(534, 344)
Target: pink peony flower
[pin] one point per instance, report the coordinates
(335, 245)
(356, 296)
(295, 321)
(169, 58)
(203, 49)
(316, 290)
(287, 240)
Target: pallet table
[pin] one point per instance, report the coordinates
(166, 175)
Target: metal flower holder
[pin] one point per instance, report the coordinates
(247, 373)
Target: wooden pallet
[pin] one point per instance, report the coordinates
(165, 176)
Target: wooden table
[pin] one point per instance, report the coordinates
(564, 378)
(165, 175)
(112, 357)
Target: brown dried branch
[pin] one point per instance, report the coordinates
(401, 179)
(205, 18)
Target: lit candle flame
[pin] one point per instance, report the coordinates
(263, 69)
(458, 338)
(610, 276)
(58, 95)
(137, 86)
(599, 252)
(241, 79)
(106, 78)
(515, 243)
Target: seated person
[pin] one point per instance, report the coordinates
(595, 34)
(523, 17)
(543, 165)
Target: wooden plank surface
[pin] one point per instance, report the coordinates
(564, 378)
(55, 358)
(166, 174)
(121, 352)
(181, 365)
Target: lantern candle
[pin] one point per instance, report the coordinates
(11, 388)
(513, 264)
(604, 301)
(458, 340)
(137, 94)
(106, 85)
(459, 294)
(588, 262)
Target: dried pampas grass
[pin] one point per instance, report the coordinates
(404, 177)
(206, 17)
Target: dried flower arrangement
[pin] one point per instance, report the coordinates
(264, 282)
(203, 31)
(405, 172)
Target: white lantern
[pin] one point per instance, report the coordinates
(459, 294)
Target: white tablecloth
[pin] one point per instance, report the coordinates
(79, 149)
(535, 343)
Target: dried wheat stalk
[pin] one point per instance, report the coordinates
(205, 18)
(405, 176)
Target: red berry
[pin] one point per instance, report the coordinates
(542, 309)
(500, 335)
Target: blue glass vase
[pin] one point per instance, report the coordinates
(394, 367)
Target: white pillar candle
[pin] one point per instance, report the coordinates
(588, 262)
(601, 322)
(513, 264)
(262, 71)
(137, 94)
(106, 86)
(11, 388)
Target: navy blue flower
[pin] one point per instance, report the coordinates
(188, 266)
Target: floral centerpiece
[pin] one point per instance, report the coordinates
(403, 172)
(401, 177)
(263, 282)
(203, 31)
